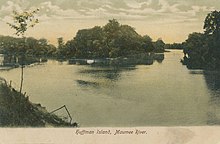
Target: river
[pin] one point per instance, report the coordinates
(162, 94)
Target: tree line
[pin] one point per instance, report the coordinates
(179, 46)
(110, 41)
(202, 50)
(13, 48)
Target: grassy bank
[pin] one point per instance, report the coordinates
(17, 111)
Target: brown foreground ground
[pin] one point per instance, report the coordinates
(17, 111)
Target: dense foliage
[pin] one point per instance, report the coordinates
(202, 50)
(111, 40)
(175, 46)
(13, 48)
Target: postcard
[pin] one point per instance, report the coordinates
(129, 71)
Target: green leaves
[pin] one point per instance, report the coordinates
(23, 20)
(111, 40)
(212, 23)
(202, 50)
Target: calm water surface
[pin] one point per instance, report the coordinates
(162, 94)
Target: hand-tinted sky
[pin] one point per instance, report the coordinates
(171, 20)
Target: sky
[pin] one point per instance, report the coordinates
(171, 20)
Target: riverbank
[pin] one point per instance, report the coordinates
(17, 111)
(135, 59)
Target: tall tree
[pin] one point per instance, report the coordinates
(159, 45)
(61, 49)
(22, 21)
(147, 43)
(212, 30)
(111, 29)
(212, 24)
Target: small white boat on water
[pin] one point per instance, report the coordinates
(90, 61)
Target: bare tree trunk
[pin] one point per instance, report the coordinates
(22, 66)
(22, 76)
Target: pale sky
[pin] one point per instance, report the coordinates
(171, 20)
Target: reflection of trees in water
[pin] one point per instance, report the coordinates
(159, 61)
(213, 83)
(111, 73)
(87, 83)
(159, 57)
(213, 80)
(102, 76)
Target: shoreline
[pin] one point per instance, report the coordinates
(17, 111)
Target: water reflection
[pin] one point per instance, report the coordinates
(196, 72)
(109, 73)
(213, 83)
(106, 73)
(111, 69)
(100, 77)
(87, 83)
(164, 94)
